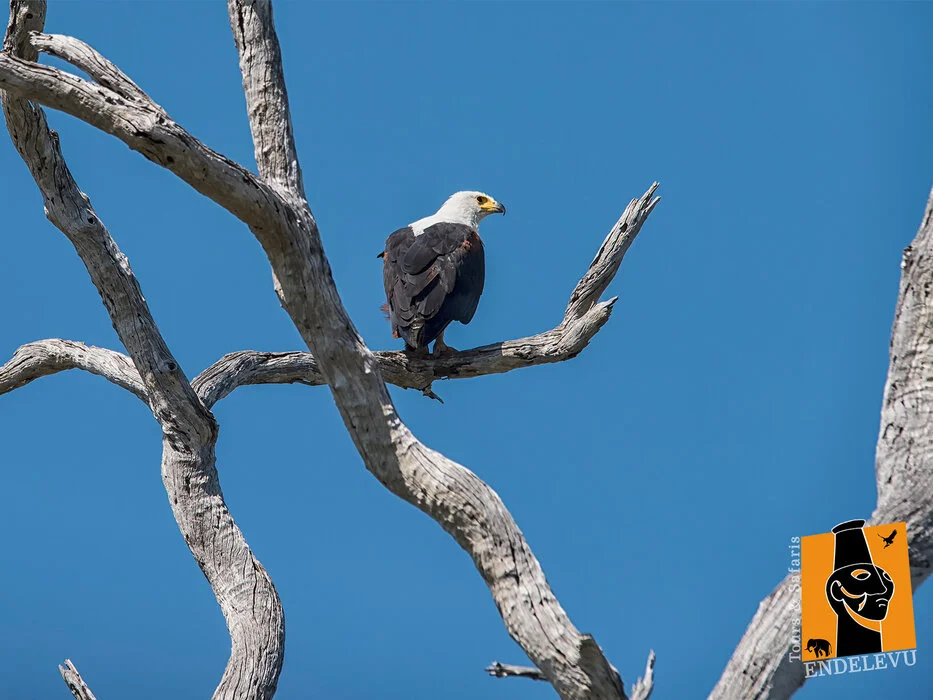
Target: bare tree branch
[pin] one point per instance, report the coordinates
(640, 691)
(82, 56)
(606, 263)
(243, 588)
(460, 502)
(266, 100)
(146, 129)
(274, 207)
(45, 357)
(498, 670)
(406, 370)
(583, 318)
(644, 686)
(75, 683)
(761, 665)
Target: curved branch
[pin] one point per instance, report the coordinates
(761, 666)
(243, 589)
(452, 495)
(143, 126)
(583, 318)
(246, 367)
(82, 56)
(461, 503)
(45, 357)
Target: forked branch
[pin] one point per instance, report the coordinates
(244, 590)
(275, 209)
(85, 58)
(408, 371)
(583, 318)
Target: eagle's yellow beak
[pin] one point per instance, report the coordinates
(492, 206)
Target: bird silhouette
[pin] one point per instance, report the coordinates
(889, 540)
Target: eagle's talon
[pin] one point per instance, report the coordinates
(440, 350)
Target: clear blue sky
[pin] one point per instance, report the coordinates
(731, 402)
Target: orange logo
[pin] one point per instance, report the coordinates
(855, 593)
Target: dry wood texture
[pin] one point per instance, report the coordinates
(273, 205)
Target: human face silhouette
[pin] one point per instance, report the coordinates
(865, 589)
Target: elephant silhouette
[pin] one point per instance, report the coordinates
(821, 646)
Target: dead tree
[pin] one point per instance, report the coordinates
(273, 205)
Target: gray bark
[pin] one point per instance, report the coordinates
(75, 682)
(243, 589)
(582, 320)
(273, 205)
(45, 357)
(761, 667)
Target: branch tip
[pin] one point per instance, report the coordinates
(429, 392)
(75, 683)
(583, 318)
(498, 670)
(645, 684)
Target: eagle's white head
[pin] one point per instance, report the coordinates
(466, 207)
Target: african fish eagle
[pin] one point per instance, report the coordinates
(434, 270)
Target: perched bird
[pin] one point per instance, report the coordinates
(434, 270)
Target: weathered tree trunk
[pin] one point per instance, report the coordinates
(273, 205)
(761, 666)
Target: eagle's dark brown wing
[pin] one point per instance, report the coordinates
(432, 279)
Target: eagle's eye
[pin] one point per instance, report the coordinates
(481, 199)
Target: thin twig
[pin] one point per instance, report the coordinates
(509, 671)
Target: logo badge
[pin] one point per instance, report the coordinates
(855, 593)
